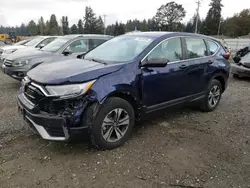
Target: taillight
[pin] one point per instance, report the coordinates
(226, 55)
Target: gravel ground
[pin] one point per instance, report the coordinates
(185, 148)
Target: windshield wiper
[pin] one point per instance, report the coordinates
(98, 61)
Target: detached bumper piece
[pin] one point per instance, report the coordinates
(46, 117)
(240, 70)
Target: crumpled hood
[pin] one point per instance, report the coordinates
(70, 71)
(11, 47)
(28, 54)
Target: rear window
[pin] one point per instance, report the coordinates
(212, 47)
(196, 48)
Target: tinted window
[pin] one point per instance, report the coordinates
(212, 46)
(169, 50)
(79, 46)
(196, 48)
(97, 42)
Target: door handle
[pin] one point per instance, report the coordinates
(183, 66)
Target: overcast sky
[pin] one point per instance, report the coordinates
(15, 12)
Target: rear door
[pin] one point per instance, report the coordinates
(198, 60)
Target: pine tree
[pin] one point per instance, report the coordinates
(46, 29)
(41, 26)
(213, 18)
(90, 21)
(74, 29)
(32, 28)
(99, 26)
(53, 26)
(144, 25)
(80, 27)
(65, 25)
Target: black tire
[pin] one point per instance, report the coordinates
(96, 123)
(205, 105)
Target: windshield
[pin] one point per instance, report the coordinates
(55, 45)
(23, 42)
(34, 41)
(120, 49)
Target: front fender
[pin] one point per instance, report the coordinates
(118, 83)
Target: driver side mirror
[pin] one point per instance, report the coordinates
(154, 63)
(41, 46)
(67, 51)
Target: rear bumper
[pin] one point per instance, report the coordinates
(240, 70)
(49, 127)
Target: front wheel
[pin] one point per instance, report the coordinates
(213, 96)
(113, 124)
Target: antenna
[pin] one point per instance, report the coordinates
(197, 15)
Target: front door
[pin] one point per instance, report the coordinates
(165, 85)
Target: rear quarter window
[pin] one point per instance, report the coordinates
(212, 47)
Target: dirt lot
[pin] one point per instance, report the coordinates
(185, 148)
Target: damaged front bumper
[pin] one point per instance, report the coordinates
(60, 124)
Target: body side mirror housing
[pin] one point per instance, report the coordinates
(154, 63)
(67, 51)
(41, 46)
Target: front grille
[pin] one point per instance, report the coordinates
(33, 94)
(55, 131)
(8, 63)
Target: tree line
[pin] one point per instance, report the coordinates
(167, 18)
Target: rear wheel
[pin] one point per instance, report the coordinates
(213, 96)
(113, 124)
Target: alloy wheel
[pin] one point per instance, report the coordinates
(214, 96)
(115, 125)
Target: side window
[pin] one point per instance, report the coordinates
(79, 46)
(170, 50)
(196, 48)
(212, 46)
(97, 42)
(46, 41)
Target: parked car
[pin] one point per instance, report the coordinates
(18, 64)
(241, 67)
(121, 81)
(37, 42)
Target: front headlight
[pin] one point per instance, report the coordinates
(10, 51)
(65, 91)
(20, 63)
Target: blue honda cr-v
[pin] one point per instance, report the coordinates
(119, 82)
